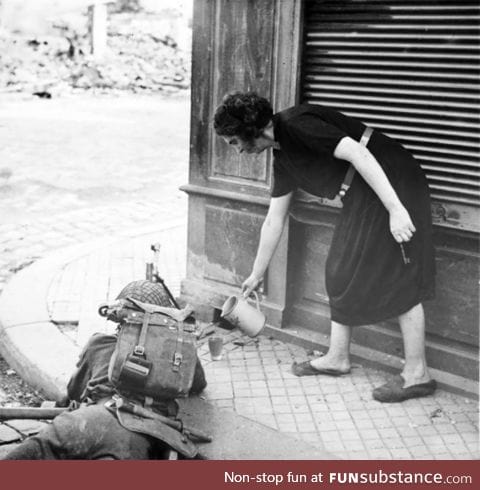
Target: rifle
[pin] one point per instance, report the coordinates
(8, 413)
(135, 409)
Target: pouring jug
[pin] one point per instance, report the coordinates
(243, 315)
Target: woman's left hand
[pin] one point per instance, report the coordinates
(401, 225)
(249, 285)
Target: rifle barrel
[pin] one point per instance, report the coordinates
(7, 413)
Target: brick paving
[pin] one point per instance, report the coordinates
(254, 377)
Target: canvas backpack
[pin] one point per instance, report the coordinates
(156, 352)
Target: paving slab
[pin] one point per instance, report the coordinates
(237, 437)
(27, 427)
(7, 434)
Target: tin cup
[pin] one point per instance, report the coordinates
(215, 345)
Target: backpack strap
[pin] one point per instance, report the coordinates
(178, 356)
(139, 349)
(178, 315)
(347, 182)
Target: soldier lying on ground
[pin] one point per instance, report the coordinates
(93, 431)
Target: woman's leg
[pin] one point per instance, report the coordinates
(338, 354)
(412, 324)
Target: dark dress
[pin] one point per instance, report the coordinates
(366, 278)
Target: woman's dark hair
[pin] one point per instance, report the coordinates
(242, 114)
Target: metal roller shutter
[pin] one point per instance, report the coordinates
(410, 69)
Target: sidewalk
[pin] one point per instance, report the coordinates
(253, 378)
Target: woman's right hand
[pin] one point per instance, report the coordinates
(249, 285)
(401, 225)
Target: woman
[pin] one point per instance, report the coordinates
(381, 260)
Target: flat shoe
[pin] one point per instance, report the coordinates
(394, 392)
(306, 369)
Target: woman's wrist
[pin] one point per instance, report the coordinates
(255, 275)
(395, 207)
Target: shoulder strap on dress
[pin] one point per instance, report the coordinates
(351, 169)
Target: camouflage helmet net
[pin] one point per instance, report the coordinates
(146, 292)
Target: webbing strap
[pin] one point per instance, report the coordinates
(178, 356)
(366, 136)
(347, 182)
(139, 349)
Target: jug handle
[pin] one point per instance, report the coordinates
(254, 293)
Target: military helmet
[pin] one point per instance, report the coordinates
(146, 292)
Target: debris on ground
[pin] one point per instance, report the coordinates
(315, 353)
(436, 413)
(142, 56)
(14, 392)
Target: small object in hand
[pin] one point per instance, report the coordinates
(215, 344)
(406, 258)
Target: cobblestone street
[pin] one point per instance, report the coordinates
(77, 168)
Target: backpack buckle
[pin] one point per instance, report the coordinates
(139, 350)
(177, 361)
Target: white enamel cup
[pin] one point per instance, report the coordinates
(243, 315)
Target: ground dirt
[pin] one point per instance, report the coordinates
(14, 391)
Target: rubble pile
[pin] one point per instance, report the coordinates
(142, 55)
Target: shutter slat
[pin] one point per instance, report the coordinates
(337, 37)
(321, 26)
(327, 60)
(394, 21)
(382, 54)
(373, 72)
(350, 8)
(315, 79)
(455, 166)
(349, 41)
(383, 6)
(391, 100)
(472, 155)
(454, 180)
(318, 88)
(444, 197)
(455, 189)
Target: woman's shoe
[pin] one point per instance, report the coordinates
(306, 369)
(394, 392)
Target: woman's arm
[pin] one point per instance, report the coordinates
(269, 237)
(365, 163)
